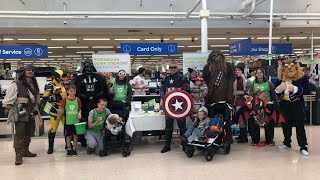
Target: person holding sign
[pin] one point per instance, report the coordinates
(96, 121)
(138, 83)
(22, 99)
(71, 106)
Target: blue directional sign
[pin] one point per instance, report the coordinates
(12, 52)
(240, 48)
(149, 48)
(261, 49)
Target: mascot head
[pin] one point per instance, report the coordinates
(88, 67)
(289, 70)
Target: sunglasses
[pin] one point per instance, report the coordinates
(172, 67)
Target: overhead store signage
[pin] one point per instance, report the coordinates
(245, 47)
(149, 48)
(13, 52)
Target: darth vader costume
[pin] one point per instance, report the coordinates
(91, 86)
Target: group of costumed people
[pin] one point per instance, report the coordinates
(216, 85)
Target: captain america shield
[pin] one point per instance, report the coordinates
(178, 104)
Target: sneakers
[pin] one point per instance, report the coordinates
(283, 147)
(253, 144)
(272, 143)
(72, 152)
(304, 152)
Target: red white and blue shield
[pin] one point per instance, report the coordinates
(177, 104)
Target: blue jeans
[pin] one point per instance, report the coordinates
(197, 131)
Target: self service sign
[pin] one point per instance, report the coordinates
(13, 52)
(149, 48)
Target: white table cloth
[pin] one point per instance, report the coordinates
(148, 122)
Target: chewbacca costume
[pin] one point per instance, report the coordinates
(219, 78)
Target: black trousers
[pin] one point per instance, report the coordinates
(294, 116)
(169, 128)
(254, 131)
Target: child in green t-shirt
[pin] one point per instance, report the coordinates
(96, 120)
(71, 106)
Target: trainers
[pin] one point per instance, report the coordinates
(272, 143)
(253, 144)
(304, 152)
(69, 153)
(74, 153)
(283, 146)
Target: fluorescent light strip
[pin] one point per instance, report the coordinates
(160, 55)
(49, 52)
(7, 39)
(32, 39)
(85, 52)
(297, 49)
(127, 39)
(26, 61)
(298, 52)
(240, 38)
(64, 39)
(48, 59)
(96, 39)
(224, 50)
(181, 46)
(57, 47)
(101, 47)
(157, 39)
(54, 56)
(64, 59)
(77, 47)
(87, 55)
(185, 39)
(195, 46)
(14, 59)
(295, 38)
(268, 38)
(219, 45)
(77, 58)
(217, 38)
(73, 56)
(143, 55)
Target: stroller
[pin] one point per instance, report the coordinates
(211, 142)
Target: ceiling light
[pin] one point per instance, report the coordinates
(219, 46)
(181, 46)
(55, 47)
(143, 55)
(185, 39)
(85, 52)
(127, 39)
(54, 56)
(7, 39)
(49, 52)
(157, 39)
(224, 50)
(268, 38)
(87, 55)
(64, 59)
(176, 55)
(217, 38)
(14, 59)
(297, 49)
(290, 37)
(26, 61)
(96, 39)
(306, 49)
(77, 58)
(64, 39)
(160, 55)
(142, 58)
(77, 47)
(194, 46)
(239, 38)
(97, 47)
(47, 59)
(226, 54)
(298, 52)
(32, 39)
(73, 56)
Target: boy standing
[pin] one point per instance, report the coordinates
(72, 108)
(96, 120)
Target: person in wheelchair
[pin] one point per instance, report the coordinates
(200, 124)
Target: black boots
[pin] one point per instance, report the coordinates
(18, 156)
(243, 138)
(51, 137)
(167, 147)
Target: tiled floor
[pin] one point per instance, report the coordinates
(146, 162)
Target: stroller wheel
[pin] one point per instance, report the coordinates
(190, 151)
(125, 152)
(209, 153)
(226, 148)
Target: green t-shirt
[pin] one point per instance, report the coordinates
(264, 89)
(97, 116)
(120, 92)
(72, 110)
